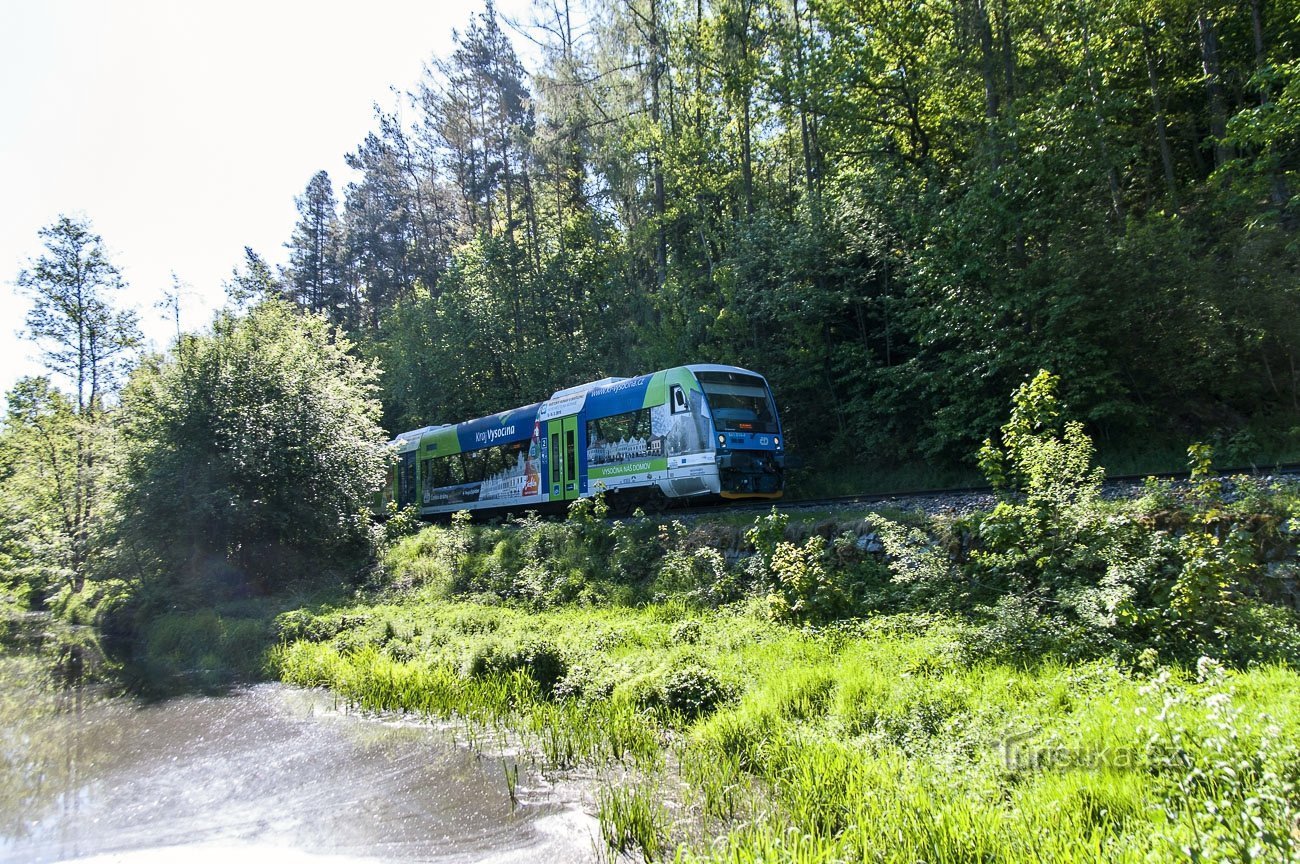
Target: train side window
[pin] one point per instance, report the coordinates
(570, 455)
(618, 427)
(406, 490)
(441, 472)
(475, 462)
(678, 400)
(426, 478)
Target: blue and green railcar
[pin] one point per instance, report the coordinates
(686, 432)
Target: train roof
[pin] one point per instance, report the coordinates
(493, 427)
(583, 388)
(718, 367)
(408, 441)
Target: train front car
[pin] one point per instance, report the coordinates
(746, 435)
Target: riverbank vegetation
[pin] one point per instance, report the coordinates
(1061, 678)
(157, 503)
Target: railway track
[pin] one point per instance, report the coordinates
(966, 497)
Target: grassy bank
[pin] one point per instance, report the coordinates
(722, 735)
(1062, 678)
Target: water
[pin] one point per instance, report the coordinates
(267, 773)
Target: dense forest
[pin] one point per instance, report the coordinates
(898, 212)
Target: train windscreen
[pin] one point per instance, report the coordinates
(740, 403)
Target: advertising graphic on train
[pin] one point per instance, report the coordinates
(497, 461)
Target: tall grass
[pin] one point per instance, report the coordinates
(874, 743)
(633, 819)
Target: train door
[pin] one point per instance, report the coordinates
(406, 480)
(564, 453)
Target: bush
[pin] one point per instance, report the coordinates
(540, 659)
(637, 550)
(1020, 632)
(302, 625)
(700, 575)
(764, 536)
(692, 691)
(685, 632)
(257, 446)
(806, 589)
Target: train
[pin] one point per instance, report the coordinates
(690, 432)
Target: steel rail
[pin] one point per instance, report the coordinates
(1282, 470)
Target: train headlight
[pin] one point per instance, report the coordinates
(776, 441)
(722, 440)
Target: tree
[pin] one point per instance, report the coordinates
(251, 450)
(315, 278)
(38, 480)
(398, 219)
(478, 113)
(86, 340)
(83, 337)
(256, 282)
(896, 211)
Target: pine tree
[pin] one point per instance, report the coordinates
(315, 278)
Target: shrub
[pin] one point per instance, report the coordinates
(765, 535)
(540, 659)
(700, 575)
(303, 625)
(805, 588)
(692, 691)
(1020, 632)
(685, 632)
(400, 523)
(636, 550)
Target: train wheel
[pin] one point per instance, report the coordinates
(655, 502)
(621, 502)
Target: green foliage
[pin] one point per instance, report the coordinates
(59, 449)
(1051, 572)
(540, 660)
(632, 819)
(693, 691)
(765, 535)
(877, 741)
(894, 212)
(38, 492)
(1041, 456)
(1048, 532)
(700, 574)
(807, 590)
(84, 339)
(207, 648)
(100, 604)
(251, 452)
(400, 523)
(638, 546)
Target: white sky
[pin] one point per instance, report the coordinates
(184, 130)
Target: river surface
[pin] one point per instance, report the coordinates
(267, 773)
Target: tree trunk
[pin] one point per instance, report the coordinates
(656, 161)
(1157, 108)
(1217, 100)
